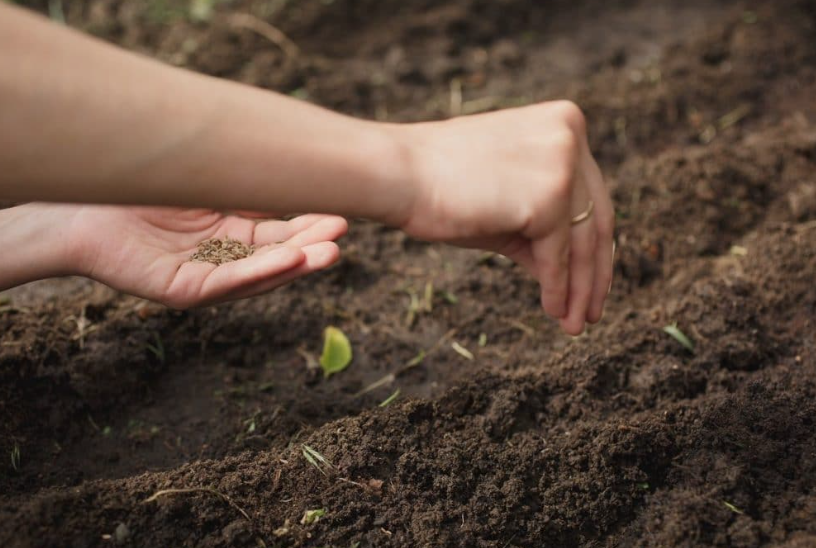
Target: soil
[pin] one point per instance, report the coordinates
(702, 116)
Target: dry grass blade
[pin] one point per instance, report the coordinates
(679, 336)
(462, 351)
(167, 492)
(271, 33)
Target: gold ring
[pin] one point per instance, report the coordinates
(585, 214)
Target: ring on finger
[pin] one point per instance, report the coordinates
(584, 215)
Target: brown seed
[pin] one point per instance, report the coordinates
(218, 252)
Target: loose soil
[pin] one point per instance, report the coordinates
(703, 117)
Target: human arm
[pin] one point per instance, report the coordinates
(91, 123)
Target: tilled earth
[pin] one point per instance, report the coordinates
(704, 118)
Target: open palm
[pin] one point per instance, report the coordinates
(145, 251)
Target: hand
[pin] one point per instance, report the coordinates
(145, 251)
(511, 182)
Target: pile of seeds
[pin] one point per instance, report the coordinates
(218, 251)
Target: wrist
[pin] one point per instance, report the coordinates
(401, 172)
(35, 243)
(390, 159)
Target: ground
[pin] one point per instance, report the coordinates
(704, 120)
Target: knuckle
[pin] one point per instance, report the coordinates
(561, 185)
(572, 115)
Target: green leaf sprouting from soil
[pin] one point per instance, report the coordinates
(312, 516)
(732, 507)
(336, 351)
(679, 336)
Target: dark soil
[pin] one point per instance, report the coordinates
(704, 118)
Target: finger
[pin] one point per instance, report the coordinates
(318, 256)
(200, 283)
(325, 230)
(605, 223)
(272, 232)
(552, 268)
(582, 276)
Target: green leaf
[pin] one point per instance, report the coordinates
(732, 507)
(336, 351)
(679, 336)
(311, 516)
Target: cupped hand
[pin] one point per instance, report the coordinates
(145, 251)
(512, 182)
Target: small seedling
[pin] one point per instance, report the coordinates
(462, 351)
(427, 301)
(336, 352)
(449, 297)
(15, 457)
(316, 459)
(749, 17)
(483, 340)
(390, 398)
(679, 336)
(733, 508)
(312, 516)
(201, 10)
(157, 349)
(738, 251)
(416, 360)
(643, 485)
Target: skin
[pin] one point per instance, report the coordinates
(86, 123)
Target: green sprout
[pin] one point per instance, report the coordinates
(449, 297)
(337, 353)
(733, 508)
(416, 360)
(158, 348)
(15, 458)
(201, 10)
(390, 398)
(312, 516)
(483, 340)
(679, 336)
(316, 459)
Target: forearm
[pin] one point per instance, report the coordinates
(33, 244)
(83, 121)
